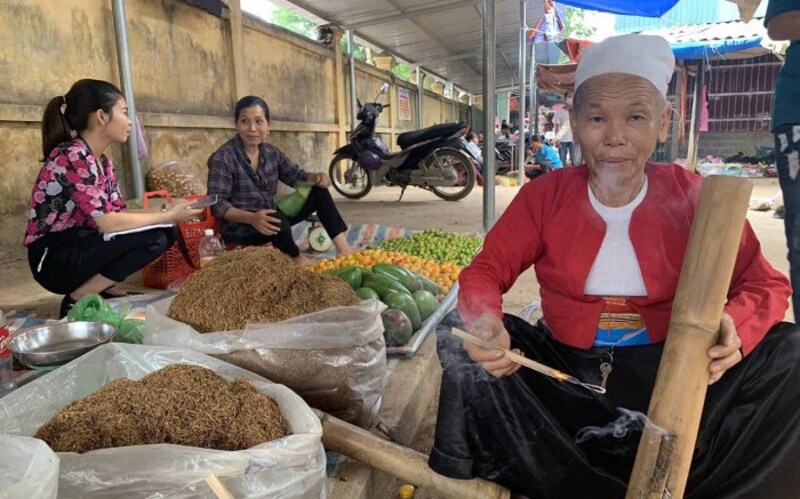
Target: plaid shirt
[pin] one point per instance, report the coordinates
(232, 179)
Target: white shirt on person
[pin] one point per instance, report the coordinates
(561, 119)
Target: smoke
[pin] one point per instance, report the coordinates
(627, 422)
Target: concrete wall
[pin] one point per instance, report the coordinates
(183, 67)
(728, 144)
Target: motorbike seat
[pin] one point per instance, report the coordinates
(407, 139)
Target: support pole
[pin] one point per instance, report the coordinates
(353, 98)
(453, 116)
(124, 60)
(392, 113)
(677, 403)
(534, 93)
(237, 53)
(404, 463)
(338, 83)
(489, 110)
(420, 98)
(691, 154)
(523, 31)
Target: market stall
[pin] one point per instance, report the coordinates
(322, 336)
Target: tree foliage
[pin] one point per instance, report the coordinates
(575, 24)
(296, 23)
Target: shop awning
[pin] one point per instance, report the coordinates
(647, 8)
(710, 49)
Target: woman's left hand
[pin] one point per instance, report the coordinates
(727, 352)
(321, 180)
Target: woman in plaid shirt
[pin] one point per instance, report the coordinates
(246, 193)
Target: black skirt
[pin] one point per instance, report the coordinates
(529, 433)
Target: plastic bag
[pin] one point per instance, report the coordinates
(176, 178)
(760, 204)
(335, 359)
(94, 308)
(28, 468)
(293, 466)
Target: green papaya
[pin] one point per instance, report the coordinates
(426, 303)
(396, 327)
(350, 275)
(399, 274)
(406, 303)
(428, 285)
(367, 294)
(383, 285)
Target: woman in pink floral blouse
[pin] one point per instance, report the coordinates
(76, 198)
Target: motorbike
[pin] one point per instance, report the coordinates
(430, 159)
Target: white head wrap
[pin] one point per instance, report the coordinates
(647, 56)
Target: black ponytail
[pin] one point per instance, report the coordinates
(84, 98)
(55, 128)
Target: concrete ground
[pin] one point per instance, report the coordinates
(418, 210)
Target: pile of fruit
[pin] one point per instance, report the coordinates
(443, 274)
(411, 297)
(436, 245)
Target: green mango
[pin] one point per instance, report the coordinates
(367, 294)
(426, 303)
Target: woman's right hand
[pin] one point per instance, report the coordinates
(490, 328)
(264, 223)
(179, 210)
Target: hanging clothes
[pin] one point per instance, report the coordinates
(704, 109)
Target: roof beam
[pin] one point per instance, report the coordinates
(448, 58)
(410, 13)
(433, 36)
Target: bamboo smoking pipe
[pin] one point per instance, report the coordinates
(682, 380)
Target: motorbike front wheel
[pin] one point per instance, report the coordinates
(461, 163)
(348, 178)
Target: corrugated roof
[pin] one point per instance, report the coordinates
(729, 30)
(443, 37)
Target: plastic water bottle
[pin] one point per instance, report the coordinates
(210, 247)
(6, 359)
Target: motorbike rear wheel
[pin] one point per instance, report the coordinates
(348, 178)
(462, 164)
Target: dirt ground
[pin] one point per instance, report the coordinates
(418, 210)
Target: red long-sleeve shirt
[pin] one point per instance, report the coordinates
(552, 226)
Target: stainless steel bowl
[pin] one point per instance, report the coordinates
(59, 343)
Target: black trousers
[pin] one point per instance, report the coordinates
(319, 200)
(74, 257)
(520, 430)
(787, 143)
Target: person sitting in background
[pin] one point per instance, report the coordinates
(470, 144)
(244, 174)
(543, 157)
(76, 198)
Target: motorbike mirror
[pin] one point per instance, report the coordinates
(383, 90)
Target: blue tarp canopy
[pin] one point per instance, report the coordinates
(647, 8)
(710, 48)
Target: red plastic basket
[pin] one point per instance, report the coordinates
(172, 265)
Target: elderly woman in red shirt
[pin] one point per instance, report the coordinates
(607, 241)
